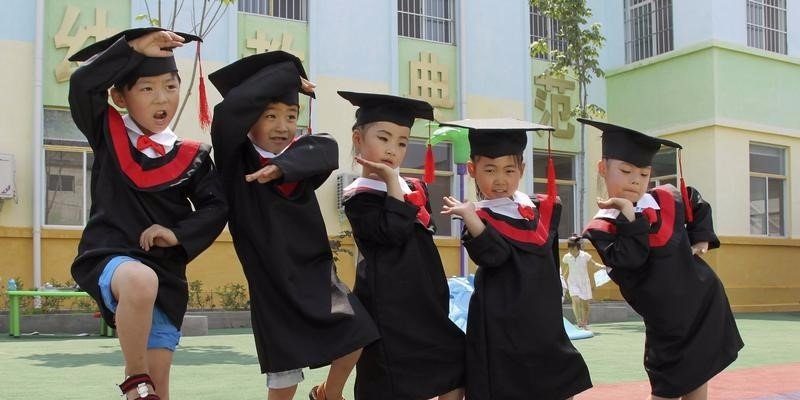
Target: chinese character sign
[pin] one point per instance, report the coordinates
(429, 81)
(553, 100)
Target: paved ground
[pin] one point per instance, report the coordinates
(224, 365)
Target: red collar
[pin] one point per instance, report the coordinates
(187, 151)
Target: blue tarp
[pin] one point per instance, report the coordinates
(460, 292)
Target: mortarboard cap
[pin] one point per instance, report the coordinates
(628, 145)
(373, 107)
(150, 66)
(620, 143)
(496, 137)
(282, 69)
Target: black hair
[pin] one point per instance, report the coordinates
(127, 82)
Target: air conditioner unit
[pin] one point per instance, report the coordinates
(343, 179)
(7, 170)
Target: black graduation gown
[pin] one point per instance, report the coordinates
(130, 192)
(690, 331)
(402, 283)
(516, 344)
(302, 314)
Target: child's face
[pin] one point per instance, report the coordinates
(623, 179)
(151, 102)
(574, 251)
(382, 142)
(276, 127)
(496, 177)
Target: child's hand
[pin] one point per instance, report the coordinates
(379, 171)
(699, 248)
(157, 236)
(451, 206)
(307, 86)
(264, 175)
(625, 206)
(157, 44)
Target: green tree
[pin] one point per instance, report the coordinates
(579, 60)
(203, 22)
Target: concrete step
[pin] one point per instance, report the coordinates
(605, 311)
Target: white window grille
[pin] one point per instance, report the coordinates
(414, 166)
(648, 28)
(289, 9)
(665, 168)
(543, 27)
(426, 19)
(766, 25)
(767, 190)
(566, 188)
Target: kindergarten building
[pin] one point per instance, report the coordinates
(720, 77)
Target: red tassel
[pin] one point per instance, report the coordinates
(686, 204)
(429, 167)
(551, 179)
(684, 192)
(551, 173)
(310, 102)
(204, 114)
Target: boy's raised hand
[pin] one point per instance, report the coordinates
(157, 44)
(307, 86)
(264, 175)
(157, 236)
(451, 206)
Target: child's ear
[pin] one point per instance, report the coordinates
(118, 98)
(471, 168)
(601, 168)
(522, 171)
(357, 141)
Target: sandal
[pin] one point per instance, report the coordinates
(139, 383)
(318, 393)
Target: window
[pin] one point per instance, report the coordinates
(426, 19)
(766, 25)
(648, 28)
(414, 166)
(67, 167)
(665, 167)
(289, 9)
(68, 180)
(566, 187)
(543, 27)
(767, 190)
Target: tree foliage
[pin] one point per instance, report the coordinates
(580, 57)
(203, 19)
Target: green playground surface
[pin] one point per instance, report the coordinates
(223, 365)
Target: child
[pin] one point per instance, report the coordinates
(156, 200)
(400, 278)
(577, 278)
(516, 344)
(652, 241)
(303, 316)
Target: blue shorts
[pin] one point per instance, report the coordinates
(163, 334)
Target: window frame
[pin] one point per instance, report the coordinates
(573, 183)
(759, 34)
(768, 177)
(269, 6)
(449, 23)
(641, 45)
(438, 173)
(548, 32)
(85, 150)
